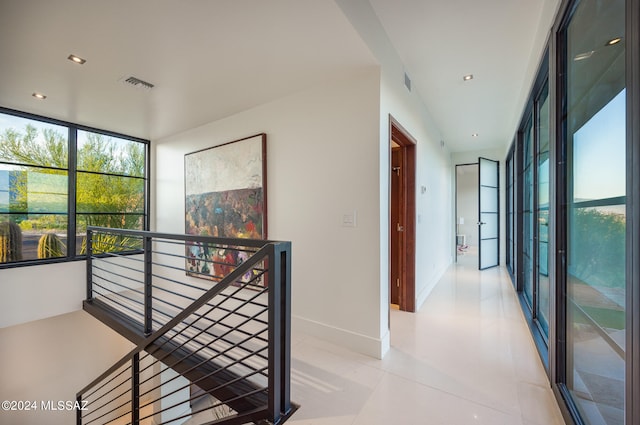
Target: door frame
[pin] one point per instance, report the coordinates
(407, 213)
(480, 222)
(456, 213)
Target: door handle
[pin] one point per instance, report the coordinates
(480, 223)
(399, 228)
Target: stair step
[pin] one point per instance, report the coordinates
(214, 377)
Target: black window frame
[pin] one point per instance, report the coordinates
(529, 123)
(564, 199)
(72, 176)
(557, 347)
(510, 231)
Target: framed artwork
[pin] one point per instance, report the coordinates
(225, 196)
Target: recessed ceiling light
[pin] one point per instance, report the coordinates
(467, 77)
(76, 59)
(475, 135)
(39, 96)
(614, 41)
(583, 56)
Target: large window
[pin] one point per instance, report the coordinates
(511, 215)
(542, 284)
(575, 239)
(528, 212)
(594, 144)
(57, 178)
(110, 183)
(534, 215)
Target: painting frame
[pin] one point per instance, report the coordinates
(226, 197)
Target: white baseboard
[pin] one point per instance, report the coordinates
(424, 293)
(357, 342)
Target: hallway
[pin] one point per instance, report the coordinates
(465, 358)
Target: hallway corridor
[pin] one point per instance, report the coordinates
(465, 358)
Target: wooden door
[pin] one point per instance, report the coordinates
(397, 203)
(402, 225)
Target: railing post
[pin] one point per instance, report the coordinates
(275, 336)
(89, 265)
(285, 317)
(148, 295)
(78, 411)
(135, 389)
(279, 330)
(277, 269)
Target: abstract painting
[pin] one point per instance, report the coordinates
(225, 196)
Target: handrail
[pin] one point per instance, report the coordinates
(232, 343)
(256, 243)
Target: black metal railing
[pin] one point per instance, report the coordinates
(211, 321)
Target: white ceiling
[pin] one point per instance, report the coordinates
(207, 58)
(213, 58)
(499, 42)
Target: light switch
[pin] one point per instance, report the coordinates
(349, 219)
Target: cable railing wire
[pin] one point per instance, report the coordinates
(203, 331)
(226, 338)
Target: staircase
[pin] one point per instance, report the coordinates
(210, 321)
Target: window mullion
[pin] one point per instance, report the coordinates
(71, 218)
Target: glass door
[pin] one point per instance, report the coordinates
(488, 213)
(542, 286)
(510, 197)
(528, 214)
(594, 143)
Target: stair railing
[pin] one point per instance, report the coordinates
(213, 350)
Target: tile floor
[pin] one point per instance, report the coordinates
(465, 358)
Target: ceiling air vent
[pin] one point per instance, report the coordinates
(137, 83)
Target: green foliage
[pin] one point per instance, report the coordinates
(102, 154)
(116, 191)
(109, 193)
(44, 223)
(597, 247)
(106, 242)
(605, 317)
(50, 150)
(50, 246)
(26, 225)
(10, 242)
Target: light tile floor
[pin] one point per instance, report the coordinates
(465, 358)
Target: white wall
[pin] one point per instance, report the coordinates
(328, 155)
(35, 292)
(52, 359)
(434, 219)
(434, 227)
(322, 160)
